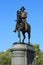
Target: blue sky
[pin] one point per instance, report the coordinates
(8, 9)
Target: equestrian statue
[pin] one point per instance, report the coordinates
(22, 25)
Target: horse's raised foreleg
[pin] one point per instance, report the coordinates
(15, 30)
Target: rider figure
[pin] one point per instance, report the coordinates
(23, 14)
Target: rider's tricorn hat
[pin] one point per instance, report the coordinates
(22, 8)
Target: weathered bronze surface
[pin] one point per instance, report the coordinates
(22, 25)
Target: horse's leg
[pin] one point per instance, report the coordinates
(23, 37)
(19, 36)
(28, 38)
(15, 30)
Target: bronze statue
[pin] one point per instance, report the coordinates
(22, 25)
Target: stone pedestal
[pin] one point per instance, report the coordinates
(22, 54)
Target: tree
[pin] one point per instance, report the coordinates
(37, 55)
(5, 57)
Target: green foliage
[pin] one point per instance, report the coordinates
(5, 57)
(37, 55)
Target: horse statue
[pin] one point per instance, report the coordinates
(23, 27)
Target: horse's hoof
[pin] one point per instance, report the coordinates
(14, 31)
